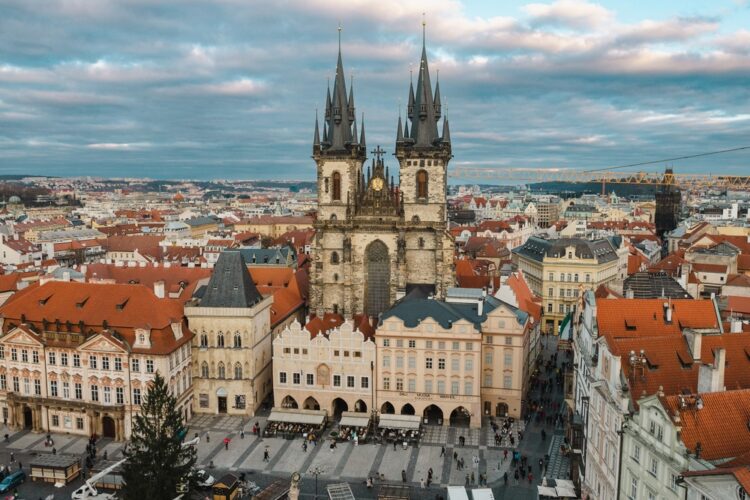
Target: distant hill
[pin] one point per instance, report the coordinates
(625, 190)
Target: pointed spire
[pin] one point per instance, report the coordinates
(328, 101)
(354, 131)
(446, 132)
(325, 133)
(341, 117)
(350, 102)
(399, 132)
(316, 137)
(424, 123)
(406, 130)
(436, 101)
(362, 137)
(410, 105)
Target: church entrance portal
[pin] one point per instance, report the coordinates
(377, 294)
(28, 419)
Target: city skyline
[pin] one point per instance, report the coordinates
(229, 89)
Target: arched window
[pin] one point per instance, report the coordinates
(204, 340)
(336, 186)
(333, 217)
(204, 370)
(334, 258)
(237, 340)
(422, 184)
(222, 372)
(421, 242)
(220, 340)
(415, 219)
(237, 371)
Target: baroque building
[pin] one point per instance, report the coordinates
(378, 239)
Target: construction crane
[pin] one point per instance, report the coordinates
(687, 182)
(89, 492)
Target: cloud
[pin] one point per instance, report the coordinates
(577, 14)
(118, 146)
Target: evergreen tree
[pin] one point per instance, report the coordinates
(157, 462)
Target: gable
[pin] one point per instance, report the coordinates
(20, 336)
(100, 343)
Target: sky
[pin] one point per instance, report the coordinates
(229, 89)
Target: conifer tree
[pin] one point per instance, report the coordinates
(157, 462)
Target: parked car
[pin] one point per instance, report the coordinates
(12, 481)
(205, 480)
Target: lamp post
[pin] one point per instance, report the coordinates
(316, 472)
(621, 433)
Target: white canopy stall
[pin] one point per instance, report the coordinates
(292, 421)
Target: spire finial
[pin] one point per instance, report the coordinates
(340, 28)
(411, 73)
(424, 25)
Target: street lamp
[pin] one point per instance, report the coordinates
(621, 432)
(316, 472)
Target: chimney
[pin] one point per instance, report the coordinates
(83, 269)
(66, 276)
(694, 340)
(480, 306)
(629, 293)
(711, 376)
(159, 288)
(735, 325)
(667, 313)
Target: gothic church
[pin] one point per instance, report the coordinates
(378, 240)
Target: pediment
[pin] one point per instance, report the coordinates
(100, 343)
(20, 336)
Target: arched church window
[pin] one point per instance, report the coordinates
(237, 340)
(325, 184)
(421, 242)
(204, 340)
(204, 370)
(422, 184)
(220, 340)
(222, 371)
(334, 258)
(237, 371)
(336, 186)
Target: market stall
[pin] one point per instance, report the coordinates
(226, 488)
(291, 423)
(55, 468)
(354, 426)
(400, 428)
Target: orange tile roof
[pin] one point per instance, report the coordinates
(741, 473)
(670, 264)
(9, 282)
(709, 268)
(721, 426)
(285, 284)
(741, 280)
(318, 325)
(743, 262)
(738, 304)
(623, 318)
(527, 301)
(147, 245)
(122, 307)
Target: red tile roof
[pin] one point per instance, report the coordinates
(527, 301)
(624, 318)
(147, 245)
(721, 426)
(740, 280)
(21, 245)
(709, 268)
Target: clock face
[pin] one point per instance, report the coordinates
(377, 183)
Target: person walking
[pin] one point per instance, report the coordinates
(455, 455)
(226, 443)
(473, 479)
(442, 451)
(266, 455)
(403, 475)
(304, 446)
(505, 478)
(421, 483)
(515, 476)
(467, 480)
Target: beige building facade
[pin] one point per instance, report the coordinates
(330, 371)
(231, 350)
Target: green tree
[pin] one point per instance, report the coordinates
(157, 462)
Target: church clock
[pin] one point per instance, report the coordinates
(377, 183)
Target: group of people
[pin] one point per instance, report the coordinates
(352, 433)
(274, 428)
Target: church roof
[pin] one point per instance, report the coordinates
(230, 284)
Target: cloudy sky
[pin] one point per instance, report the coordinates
(229, 88)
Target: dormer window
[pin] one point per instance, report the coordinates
(141, 339)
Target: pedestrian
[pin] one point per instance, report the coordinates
(472, 477)
(421, 483)
(226, 443)
(429, 475)
(442, 451)
(467, 480)
(266, 455)
(515, 476)
(505, 455)
(531, 477)
(403, 475)
(12, 457)
(394, 445)
(20, 465)
(242, 434)
(455, 455)
(208, 437)
(105, 453)
(541, 465)
(304, 446)
(505, 478)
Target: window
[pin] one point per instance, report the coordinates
(239, 401)
(454, 387)
(64, 358)
(470, 346)
(35, 356)
(428, 386)
(441, 386)
(636, 453)
(412, 362)
(107, 395)
(550, 292)
(105, 362)
(204, 340)
(673, 481)
(237, 340)
(119, 396)
(336, 186)
(428, 363)
(399, 384)
(53, 388)
(13, 354)
(3, 381)
(337, 380)
(220, 340)
(38, 389)
(653, 467)
(52, 358)
(412, 385)
(549, 307)
(422, 184)
(350, 381)
(237, 371)
(455, 362)
(334, 257)
(76, 360)
(561, 309)
(386, 342)
(488, 339)
(507, 381)
(633, 488)
(552, 276)
(441, 345)
(508, 340)
(94, 393)
(135, 365)
(150, 366)
(441, 363)
(575, 277)
(386, 382)
(469, 364)
(508, 358)
(488, 358)
(412, 344)
(282, 377)
(137, 398)
(588, 277)
(24, 355)
(656, 430)
(92, 362)
(399, 343)
(78, 388)
(386, 361)
(399, 361)
(2, 352)
(468, 388)
(456, 346)
(79, 423)
(222, 371)
(16, 387)
(428, 344)
(364, 382)
(55, 421)
(562, 292)
(118, 364)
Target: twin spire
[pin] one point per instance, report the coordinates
(423, 112)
